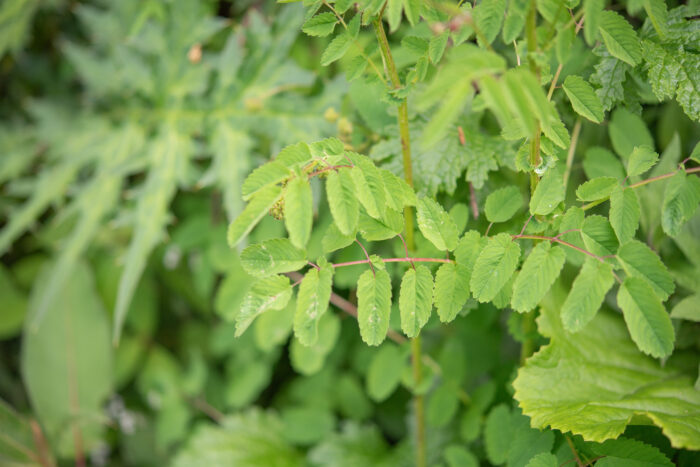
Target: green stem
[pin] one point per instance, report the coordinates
(404, 135)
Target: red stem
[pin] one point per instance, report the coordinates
(394, 260)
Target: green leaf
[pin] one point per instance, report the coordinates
(458, 456)
(498, 434)
(441, 406)
(598, 236)
(336, 49)
(272, 256)
(600, 162)
(569, 231)
(548, 194)
(307, 425)
(415, 299)
(248, 439)
(14, 306)
(544, 459)
(267, 174)
(625, 452)
(376, 230)
(334, 239)
(515, 20)
(624, 213)
(374, 305)
(369, 185)
(437, 46)
(681, 199)
(258, 206)
(592, 10)
(489, 17)
(586, 295)
(502, 204)
(649, 324)
(270, 293)
(384, 373)
(539, 271)
(298, 211)
(642, 159)
(494, 267)
(583, 98)
(67, 350)
(688, 309)
(641, 261)
(398, 193)
(451, 290)
(596, 189)
(312, 302)
(436, 225)
(658, 15)
(340, 190)
(320, 25)
(620, 38)
(560, 386)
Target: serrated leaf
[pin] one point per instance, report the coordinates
(334, 239)
(596, 189)
(494, 267)
(560, 386)
(570, 231)
(298, 211)
(688, 309)
(272, 256)
(344, 206)
(658, 15)
(641, 159)
(369, 185)
(312, 302)
(544, 459)
(336, 49)
(625, 452)
(598, 236)
(649, 324)
(294, 155)
(415, 300)
(436, 225)
(376, 230)
(502, 204)
(548, 194)
(267, 174)
(384, 373)
(627, 131)
(624, 213)
(398, 193)
(269, 293)
(640, 261)
(374, 305)
(515, 20)
(320, 25)
(586, 295)
(681, 198)
(489, 17)
(600, 162)
(437, 45)
(592, 10)
(583, 98)
(620, 38)
(610, 74)
(540, 269)
(451, 290)
(258, 206)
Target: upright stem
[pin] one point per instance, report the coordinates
(404, 134)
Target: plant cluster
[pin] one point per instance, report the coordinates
(476, 241)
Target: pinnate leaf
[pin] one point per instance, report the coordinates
(312, 302)
(494, 267)
(583, 98)
(596, 189)
(641, 261)
(298, 211)
(620, 38)
(436, 225)
(415, 299)
(624, 452)
(340, 190)
(451, 290)
(502, 204)
(624, 213)
(642, 159)
(269, 293)
(539, 271)
(649, 324)
(548, 194)
(599, 236)
(586, 295)
(272, 257)
(267, 174)
(369, 185)
(258, 206)
(681, 199)
(374, 305)
(336, 49)
(320, 25)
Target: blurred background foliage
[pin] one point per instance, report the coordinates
(126, 130)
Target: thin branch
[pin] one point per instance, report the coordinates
(367, 256)
(572, 149)
(405, 249)
(573, 450)
(393, 260)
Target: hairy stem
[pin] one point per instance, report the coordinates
(404, 135)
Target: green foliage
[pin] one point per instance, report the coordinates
(213, 176)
